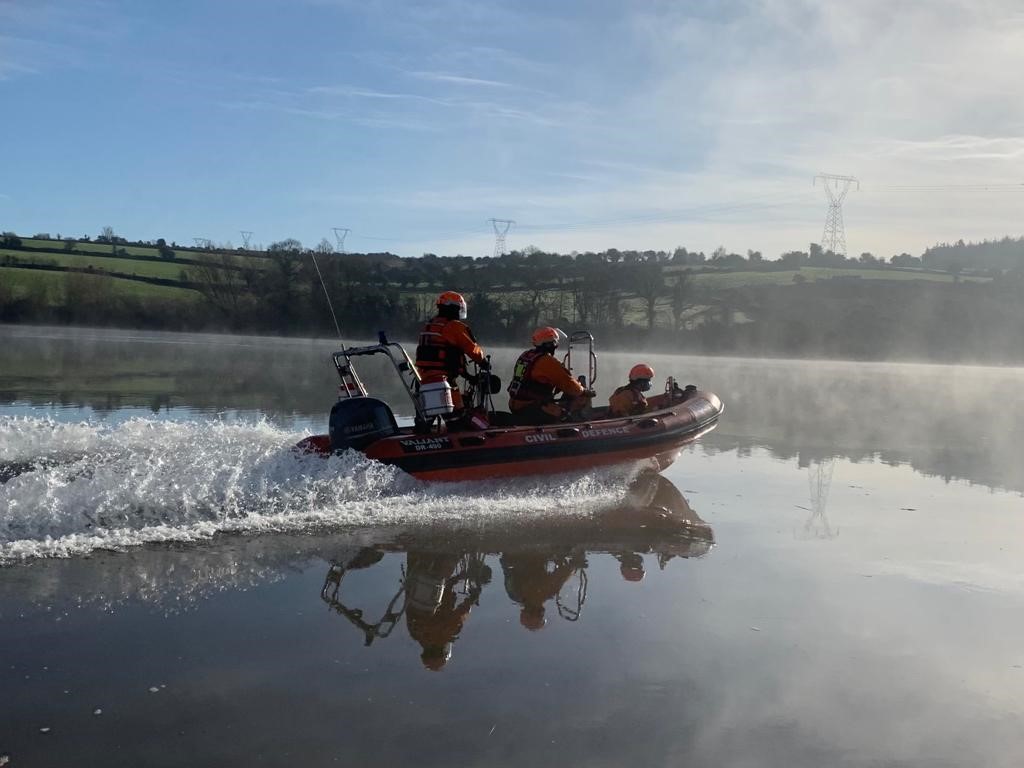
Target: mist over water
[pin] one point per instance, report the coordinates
(161, 437)
(832, 577)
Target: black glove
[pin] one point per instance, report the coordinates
(589, 393)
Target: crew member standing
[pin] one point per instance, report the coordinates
(629, 400)
(445, 343)
(537, 377)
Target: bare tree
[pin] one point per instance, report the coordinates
(648, 282)
(221, 281)
(682, 298)
(107, 234)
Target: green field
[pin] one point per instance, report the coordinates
(163, 269)
(104, 249)
(132, 250)
(24, 281)
(722, 280)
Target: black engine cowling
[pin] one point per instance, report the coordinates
(358, 421)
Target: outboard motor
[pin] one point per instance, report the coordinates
(358, 421)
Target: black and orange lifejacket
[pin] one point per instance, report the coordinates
(523, 386)
(436, 355)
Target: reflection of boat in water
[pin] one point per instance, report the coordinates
(488, 444)
(444, 574)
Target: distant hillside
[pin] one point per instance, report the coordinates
(812, 302)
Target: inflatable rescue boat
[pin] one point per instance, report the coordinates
(486, 443)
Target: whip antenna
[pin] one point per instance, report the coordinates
(327, 296)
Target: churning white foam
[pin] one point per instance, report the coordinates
(73, 488)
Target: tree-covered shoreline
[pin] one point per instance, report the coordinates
(954, 303)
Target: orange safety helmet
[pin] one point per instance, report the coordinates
(641, 371)
(546, 335)
(453, 299)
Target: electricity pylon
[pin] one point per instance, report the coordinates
(501, 228)
(836, 187)
(246, 236)
(203, 242)
(339, 236)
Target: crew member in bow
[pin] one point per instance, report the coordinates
(629, 400)
(537, 378)
(445, 343)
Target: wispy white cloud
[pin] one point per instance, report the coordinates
(444, 77)
(407, 124)
(955, 147)
(11, 69)
(370, 93)
(324, 101)
(258, 79)
(21, 56)
(30, 31)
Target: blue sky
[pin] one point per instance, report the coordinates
(592, 124)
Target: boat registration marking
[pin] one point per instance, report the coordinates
(420, 444)
(604, 432)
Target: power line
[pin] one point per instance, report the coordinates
(972, 187)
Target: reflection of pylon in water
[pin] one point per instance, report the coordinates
(819, 480)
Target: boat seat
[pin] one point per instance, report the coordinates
(500, 419)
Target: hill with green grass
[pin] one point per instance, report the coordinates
(804, 303)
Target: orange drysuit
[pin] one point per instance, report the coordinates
(442, 350)
(536, 378)
(627, 401)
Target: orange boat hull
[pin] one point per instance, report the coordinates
(656, 436)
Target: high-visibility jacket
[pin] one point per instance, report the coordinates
(626, 401)
(536, 378)
(442, 349)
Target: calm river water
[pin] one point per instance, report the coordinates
(832, 578)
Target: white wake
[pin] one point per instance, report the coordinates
(68, 489)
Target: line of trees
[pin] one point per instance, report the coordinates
(654, 297)
(986, 257)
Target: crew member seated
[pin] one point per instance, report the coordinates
(629, 400)
(537, 377)
(444, 344)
